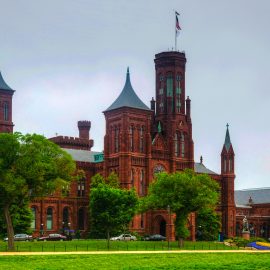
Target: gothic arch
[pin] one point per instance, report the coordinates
(159, 225)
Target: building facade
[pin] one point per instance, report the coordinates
(255, 205)
(139, 142)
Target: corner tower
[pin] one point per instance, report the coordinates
(227, 186)
(173, 116)
(6, 94)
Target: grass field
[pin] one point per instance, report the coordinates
(139, 261)
(91, 245)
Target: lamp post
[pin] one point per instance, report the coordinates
(169, 226)
(69, 231)
(63, 228)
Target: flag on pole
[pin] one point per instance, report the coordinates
(177, 25)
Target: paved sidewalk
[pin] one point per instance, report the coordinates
(128, 252)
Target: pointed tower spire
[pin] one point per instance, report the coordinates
(3, 85)
(227, 142)
(128, 97)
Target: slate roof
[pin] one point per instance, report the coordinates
(258, 196)
(200, 168)
(128, 98)
(83, 155)
(3, 85)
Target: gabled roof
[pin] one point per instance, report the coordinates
(85, 155)
(3, 85)
(227, 142)
(200, 168)
(254, 196)
(128, 98)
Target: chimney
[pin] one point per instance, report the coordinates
(84, 129)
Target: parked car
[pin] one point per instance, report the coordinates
(155, 237)
(124, 237)
(21, 237)
(53, 237)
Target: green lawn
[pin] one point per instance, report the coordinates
(91, 245)
(239, 261)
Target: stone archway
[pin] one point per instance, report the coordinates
(159, 225)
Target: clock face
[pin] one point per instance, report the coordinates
(158, 169)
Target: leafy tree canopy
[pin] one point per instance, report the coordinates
(111, 180)
(111, 208)
(208, 223)
(30, 166)
(184, 192)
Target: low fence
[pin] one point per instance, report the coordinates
(114, 246)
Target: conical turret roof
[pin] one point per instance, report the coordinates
(3, 85)
(128, 98)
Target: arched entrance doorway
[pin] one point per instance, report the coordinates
(159, 225)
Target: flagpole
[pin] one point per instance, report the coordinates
(175, 40)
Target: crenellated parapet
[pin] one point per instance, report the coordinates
(73, 142)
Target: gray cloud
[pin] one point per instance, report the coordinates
(67, 60)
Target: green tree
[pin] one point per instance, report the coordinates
(111, 208)
(21, 217)
(208, 224)
(30, 166)
(185, 192)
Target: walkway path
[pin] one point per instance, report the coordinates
(129, 252)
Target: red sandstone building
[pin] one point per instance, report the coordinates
(139, 142)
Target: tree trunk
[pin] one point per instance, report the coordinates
(10, 231)
(180, 242)
(108, 239)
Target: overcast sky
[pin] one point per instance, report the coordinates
(67, 62)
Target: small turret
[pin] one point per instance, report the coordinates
(153, 104)
(188, 108)
(227, 155)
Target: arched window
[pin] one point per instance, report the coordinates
(178, 93)
(169, 86)
(141, 191)
(65, 216)
(183, 145)
(81, 218)
(131, 134)
(6, 111)
(34, 218)
(132, 178)
(142, 221)
(225, 164)
(81, 188)
(116, 140)
(176, 145)
(141, 139)
(49, 219)
(161, 93)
